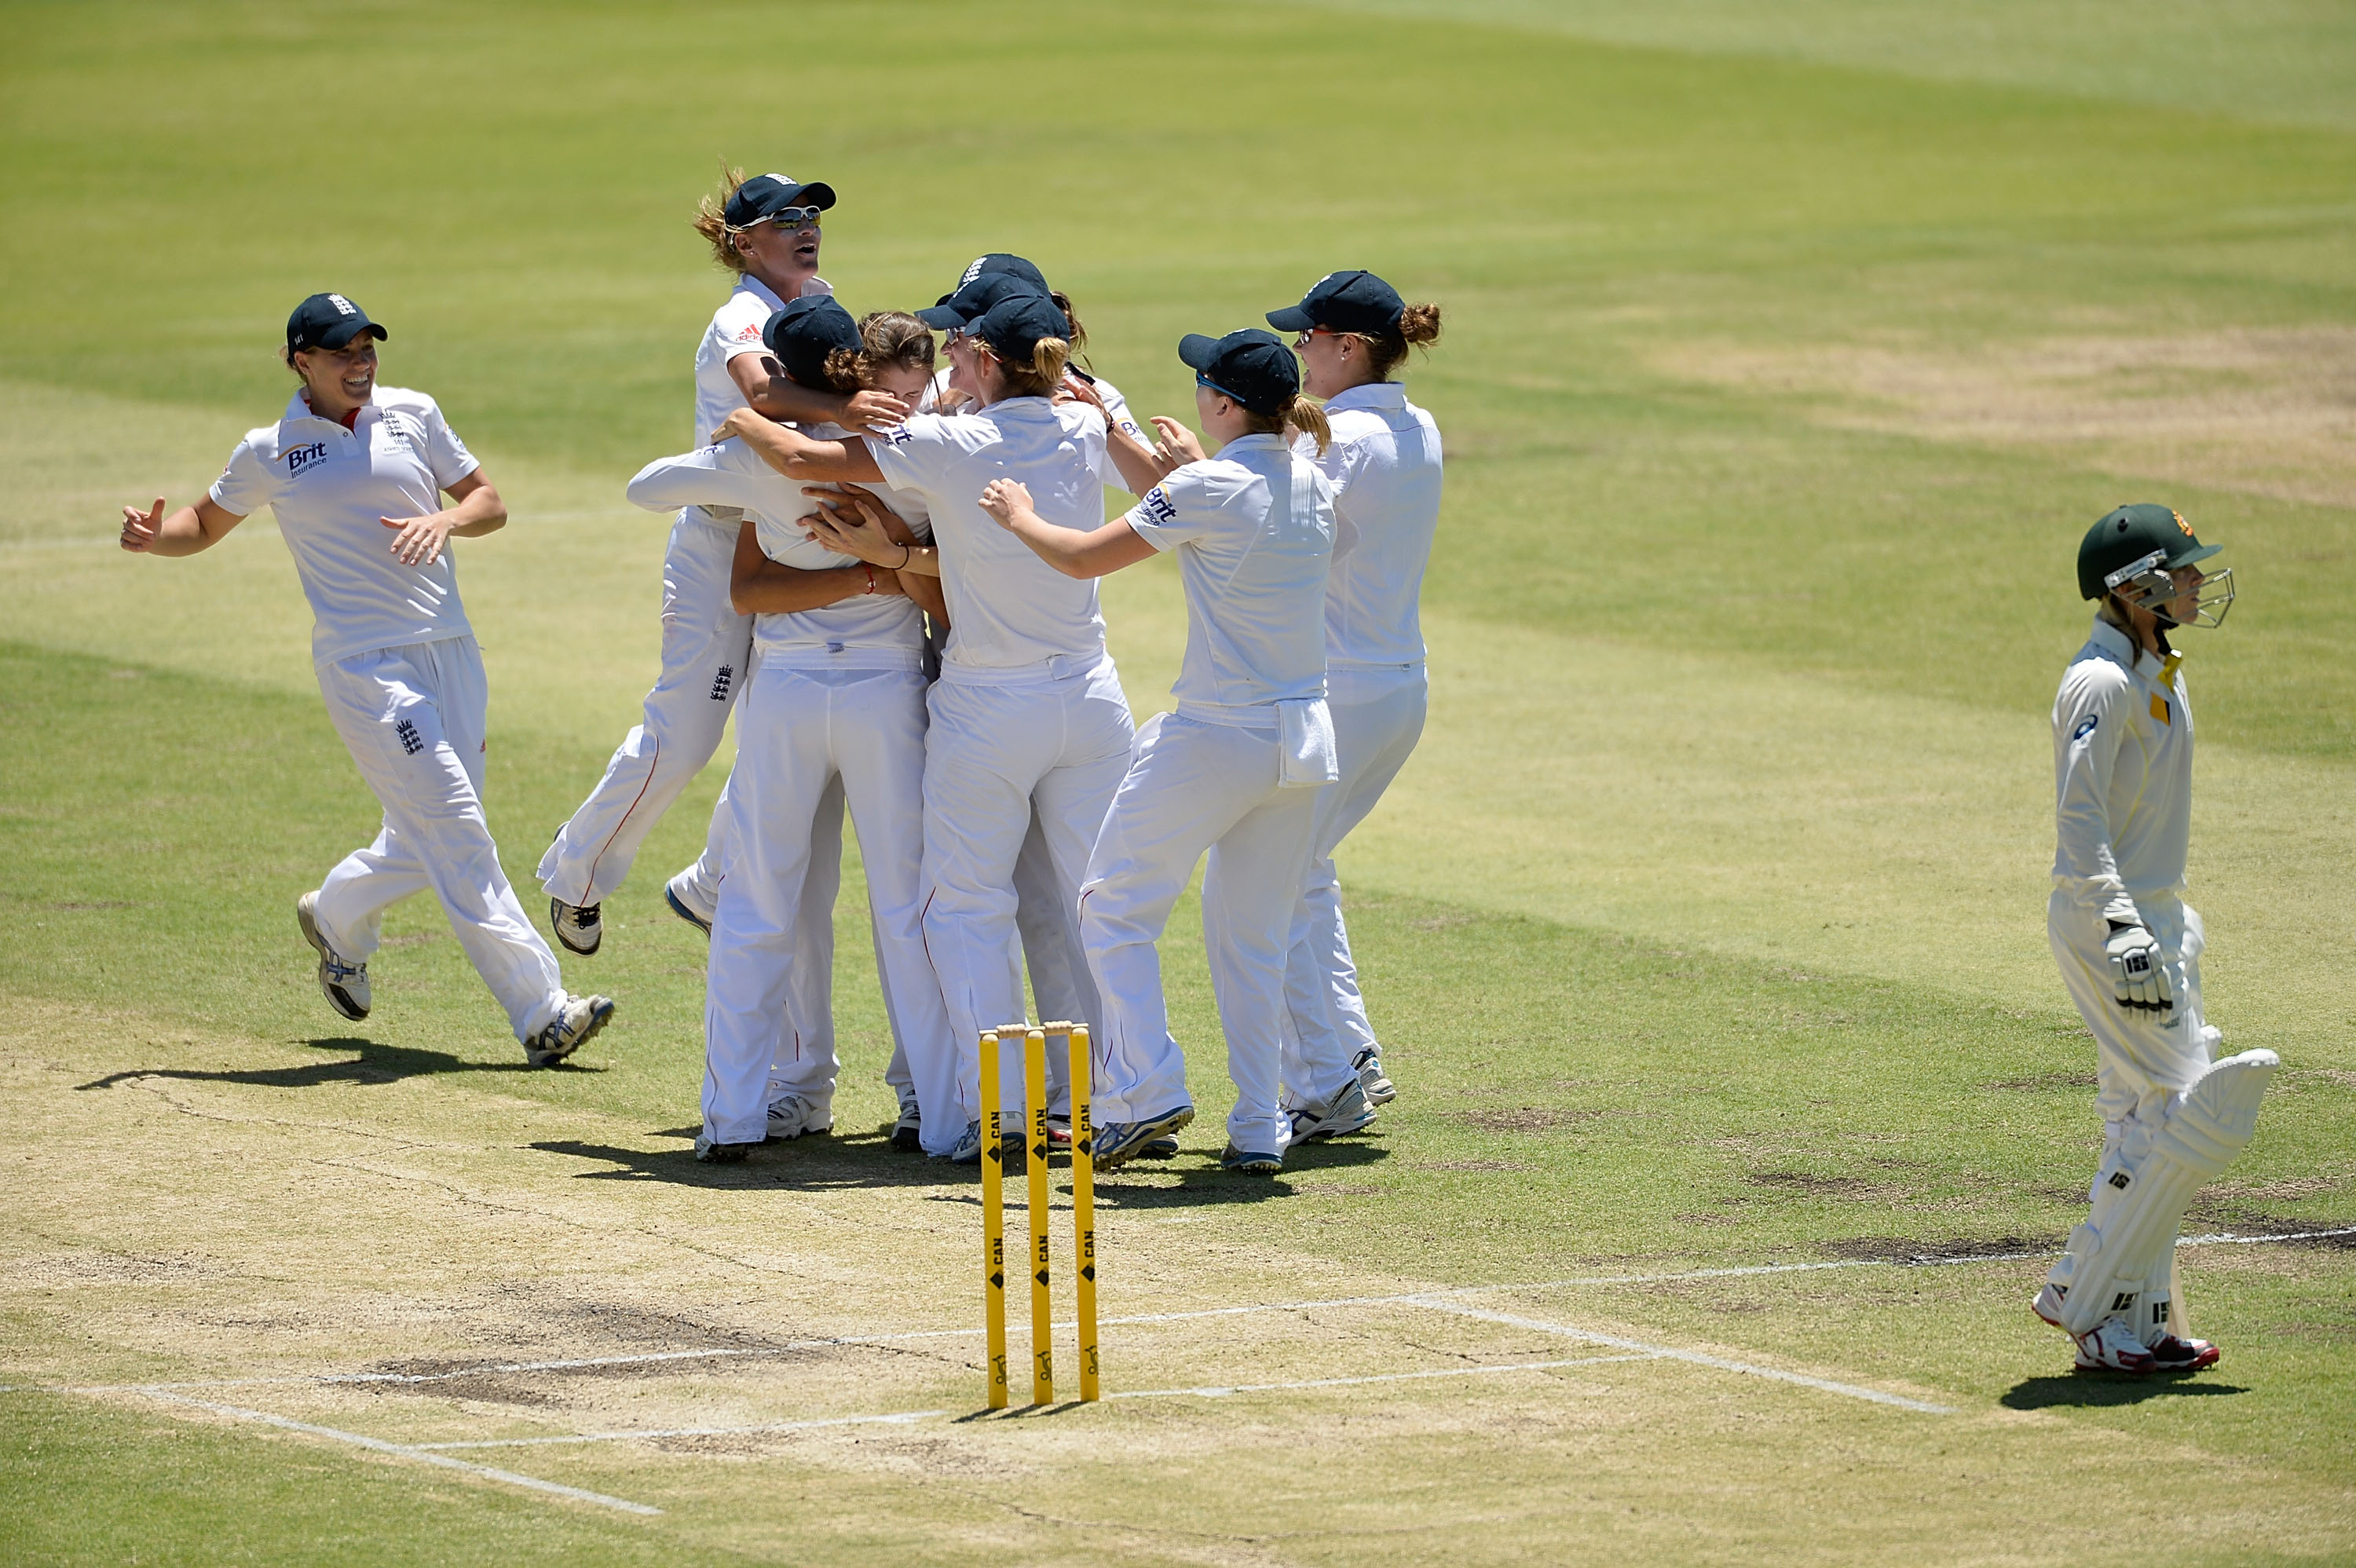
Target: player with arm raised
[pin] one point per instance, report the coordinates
(838, 700)
(2130, 946)
(1385, 467)
(1028, 712)
(1236, 771)
(355, 473)
(766, 232)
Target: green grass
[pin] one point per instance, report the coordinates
(1705, 929)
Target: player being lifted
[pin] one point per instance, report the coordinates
(2130, 946)
(355, 474)
(766, 231)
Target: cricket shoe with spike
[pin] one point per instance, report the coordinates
(573, 1027)
(966, 1150)
(1348, 1112)
(2175, 1355)
(1159, 1148)
(791, 1115)
(1250, 1163)
(579, 927)
(1117, 1143)
(2112, 1347)
(707, 1152)
(1380, 1090)
(2047, 1303)
(344, 984)
(907, 1132)
(677, 893)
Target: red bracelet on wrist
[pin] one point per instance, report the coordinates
(870, 580)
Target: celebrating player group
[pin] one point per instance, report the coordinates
(884, 567)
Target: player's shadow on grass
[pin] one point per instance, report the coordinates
(814, 1164)
(374, 1064)
(2095, 1393)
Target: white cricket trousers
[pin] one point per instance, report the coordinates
(412, 718)
(707, 654)
(1058, 740)
(1196, 786)
(2141, 1064)
(802, 730)
(1378, 719)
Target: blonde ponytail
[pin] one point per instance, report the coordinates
(1040, 378)
(1310, 420)
(1418, 326)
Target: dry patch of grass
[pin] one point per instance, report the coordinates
(2267, 410)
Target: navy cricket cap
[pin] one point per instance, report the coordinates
(998, 261)
(1252, 367)
(764, 194)
(327, 320)
(1014, 327)
(1343, 302)
(977, 294)
(808, 330)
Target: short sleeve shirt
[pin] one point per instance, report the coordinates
(732, 475)
(330, 489)
(1008, 609)
(1385, 467)
(735, 331)
(1253, 531)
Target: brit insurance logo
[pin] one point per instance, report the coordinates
(302, 457)
(1159, 506)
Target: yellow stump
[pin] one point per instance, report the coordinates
(1034, 1094)
(993, 1224)
(1084, 1207)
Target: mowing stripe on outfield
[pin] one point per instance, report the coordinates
(1223, 1390)
(1698, 1358)
(402, 1451)
(796, 1347)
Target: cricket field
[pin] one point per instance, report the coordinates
(1788, 352)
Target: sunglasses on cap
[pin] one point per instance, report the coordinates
(1203, 381)
(789, 218)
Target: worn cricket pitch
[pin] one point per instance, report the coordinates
(1786, 356)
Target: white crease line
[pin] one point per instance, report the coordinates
(403, 1451)
(1222, 1393)
(900, 1419)
(796, 1347)
(1698, 1358)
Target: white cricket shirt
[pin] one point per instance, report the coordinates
(1009, 611)
(330, 489)
(1108, 472)
(2122, 775)
(1383, 463)
(736, 330)
(1253, 528)
(848, 633)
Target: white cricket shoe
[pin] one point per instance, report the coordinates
(2175, 1355)
(1380, 1090)
(344, 984)
(580, 927)
(1348, 1112)
(679, 893)
(791, 1115)
(573, 1027)
(2047, 1303)
(708, 1152)
(2112, 1347)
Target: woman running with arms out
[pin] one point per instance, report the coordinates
(396, 659)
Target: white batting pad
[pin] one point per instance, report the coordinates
(2209, 1127)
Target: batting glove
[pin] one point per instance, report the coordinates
(2138, 978)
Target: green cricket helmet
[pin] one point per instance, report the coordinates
(2131, 552)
